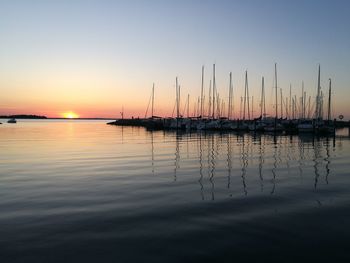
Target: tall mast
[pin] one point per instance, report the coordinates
(246, 75)
(177, 99)
(252, 107)
(229, 109)
(214, 91)
(318, 100)
(198, 106)
(290, 101)
(202, 91)
(240, 109)
(188, 105)
(246, 97)
(329, 100)
(276, 114)
(302, 99)
(152, 101)
(281, 103)
(245, 94)
(262, 102)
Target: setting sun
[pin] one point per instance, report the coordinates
(70, 115)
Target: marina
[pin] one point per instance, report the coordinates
(307, 121)
(174, 131)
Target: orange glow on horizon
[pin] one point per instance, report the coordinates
(70, 115)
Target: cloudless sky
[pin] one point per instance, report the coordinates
(95, 57)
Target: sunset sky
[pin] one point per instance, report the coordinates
(92, 58)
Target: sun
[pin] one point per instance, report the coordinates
(70, 115)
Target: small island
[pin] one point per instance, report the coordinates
(23, 116)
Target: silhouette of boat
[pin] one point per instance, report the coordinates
(12, 120)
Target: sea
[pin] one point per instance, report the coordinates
(84, 191)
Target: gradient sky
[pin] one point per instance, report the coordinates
(93, 57)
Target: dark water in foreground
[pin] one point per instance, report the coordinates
(79, 191)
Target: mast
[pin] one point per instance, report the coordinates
(302, 100)
(202, 91)
(209, 104)
(180, 101)
(246, 75)
(246, 97)
(252, 107)
(290, 101)
(276, 114)
(329, 100)
(262, 103)
(281, 103)
(318, 110)
(229, 109)
(214, 91)
(188, 105)
(177, 100)
(198, 106)
(152, 101)
(240, 109)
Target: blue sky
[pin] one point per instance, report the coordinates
(72, 53)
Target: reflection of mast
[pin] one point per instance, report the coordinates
(274, 167)
(244, 166)
(327, 159)
(316, 156)
(177, 157)
(261, 161)
(212, 170)
(201, 166)
(229, 161)
(152, 147)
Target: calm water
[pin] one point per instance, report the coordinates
(83, 191)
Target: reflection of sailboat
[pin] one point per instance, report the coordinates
(229, 161)
(261, 162)
(316, 162)
(201, 166)
(212, 167)
(152, 150)
(327, 159)
(244, 165)
(274, 167)
(177, 156)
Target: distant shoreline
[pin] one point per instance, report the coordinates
(36, 117)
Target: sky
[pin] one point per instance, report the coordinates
(97, 58)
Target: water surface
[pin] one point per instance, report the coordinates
(84, 191)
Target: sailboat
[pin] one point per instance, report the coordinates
(153, 122)
(275, 127)
(12, 120)
(329, 126)
(242, 125)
